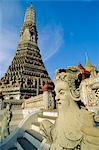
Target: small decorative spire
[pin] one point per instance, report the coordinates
(28, 31)
(31, 6)
(88, 64)
(91, 68)
(30, 14)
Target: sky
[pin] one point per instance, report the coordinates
(67, 31)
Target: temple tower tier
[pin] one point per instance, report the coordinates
(27, 74)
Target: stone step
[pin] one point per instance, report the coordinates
(19, 147)
(44, 117)
(13, 125)
(14, 122)
(33, 137)
(49, 115)
(17, 117)
(13, 148)
(17, 111)
(53, 113)
(25, 144)
(13, 128)
(35, 126)
(35, 134)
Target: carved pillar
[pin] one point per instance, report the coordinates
(37, 93)
(1, 100)
(48, 99)
(45, 100)
(41, 82)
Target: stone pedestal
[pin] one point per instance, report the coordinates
(48, 97)
(45, 99)
(1, 102)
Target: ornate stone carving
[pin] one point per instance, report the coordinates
(25, 37)
(5, 122)
(48, 96)
(1, 100)
(75, 127)
(27, 62)
(89, 92)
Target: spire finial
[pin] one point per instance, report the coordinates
(86, 54)
(87, 59)
(31, 4)
(30, 14)
(88, 64)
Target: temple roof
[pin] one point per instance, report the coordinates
(30, 15)
(88, 64)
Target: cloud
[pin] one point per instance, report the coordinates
(8, 43)
(50, 40)
(50, 37)
(10, 12)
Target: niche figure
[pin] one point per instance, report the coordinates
(5, 122)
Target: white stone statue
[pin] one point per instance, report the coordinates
(5, 122)
(74, 128)
(1, 101)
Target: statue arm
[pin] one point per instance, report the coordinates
(91, 135)
(89, 130)
(46, 128)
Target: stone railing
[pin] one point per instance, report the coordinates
(36, 101)
(15, 104)
(6, 89)
(11, 140)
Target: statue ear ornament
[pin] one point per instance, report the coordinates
(75, 94)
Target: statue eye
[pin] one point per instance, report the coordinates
(61, 92)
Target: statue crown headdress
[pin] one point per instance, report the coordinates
(70, 75)
(67, 74)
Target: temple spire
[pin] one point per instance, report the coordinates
(88, 64)
(27, 73)
(28, 32)
(91, 68)
(30, 15)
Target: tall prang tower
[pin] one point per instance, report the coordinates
(27, 73)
